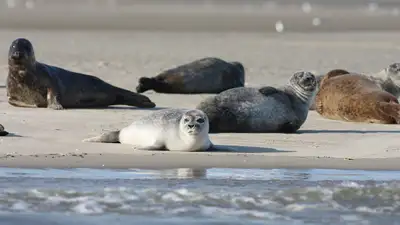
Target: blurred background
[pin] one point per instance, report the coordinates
(203, 15)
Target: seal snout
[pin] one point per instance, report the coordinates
(16, 55)
(307, 78)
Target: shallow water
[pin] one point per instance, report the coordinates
(188, 196)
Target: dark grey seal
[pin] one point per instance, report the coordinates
(34, 84)
(261, 110)
(208, 75)
(2, 131)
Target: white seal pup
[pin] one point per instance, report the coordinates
(261, 110)
(184, 130)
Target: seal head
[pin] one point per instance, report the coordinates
(303, 84)
(194, 122)
(393, 72)
(21, 54)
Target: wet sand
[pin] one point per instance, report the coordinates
(48, 138)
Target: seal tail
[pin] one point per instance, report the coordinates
(391, 109)
(110, 137)
(145, 84)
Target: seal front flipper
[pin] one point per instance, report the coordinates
(53, 100)
(268, 90)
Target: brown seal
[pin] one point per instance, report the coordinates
(2, 131)
(208, 75)
(355, 98)
(33, 84)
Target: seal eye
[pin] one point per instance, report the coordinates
(186, 120)
(201, 120)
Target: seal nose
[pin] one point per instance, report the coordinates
(190, 125)
(15, 55)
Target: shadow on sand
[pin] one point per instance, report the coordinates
(347, 131)
(244, 149)
(119, 108)
(7, 134)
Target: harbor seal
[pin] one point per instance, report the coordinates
(207, 75)
(261, 110)
(355, 98)
(388, 79)
(2, 131)
(34, 84)
(182, 130)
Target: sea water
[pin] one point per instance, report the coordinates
(198, 196)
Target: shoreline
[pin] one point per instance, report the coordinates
(159, 161)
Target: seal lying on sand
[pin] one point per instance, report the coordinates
(207, 75)
(2, 131)
(268, 109)
(34, 84)
(356, 98)
(388, 79)
(168, 129)
(318, 79)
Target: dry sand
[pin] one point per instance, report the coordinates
(48, 138)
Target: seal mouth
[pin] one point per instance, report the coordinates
(193, 129)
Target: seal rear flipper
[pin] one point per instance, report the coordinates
(2, 131)
(125, 97)
(110, 137)
(145, 84)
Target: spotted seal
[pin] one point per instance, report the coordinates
(206, 75)
(2, 131)
(34, 84)
(172, 129)
(355, 98)
(261, 110)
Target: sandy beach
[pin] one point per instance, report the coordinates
(47, 138)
